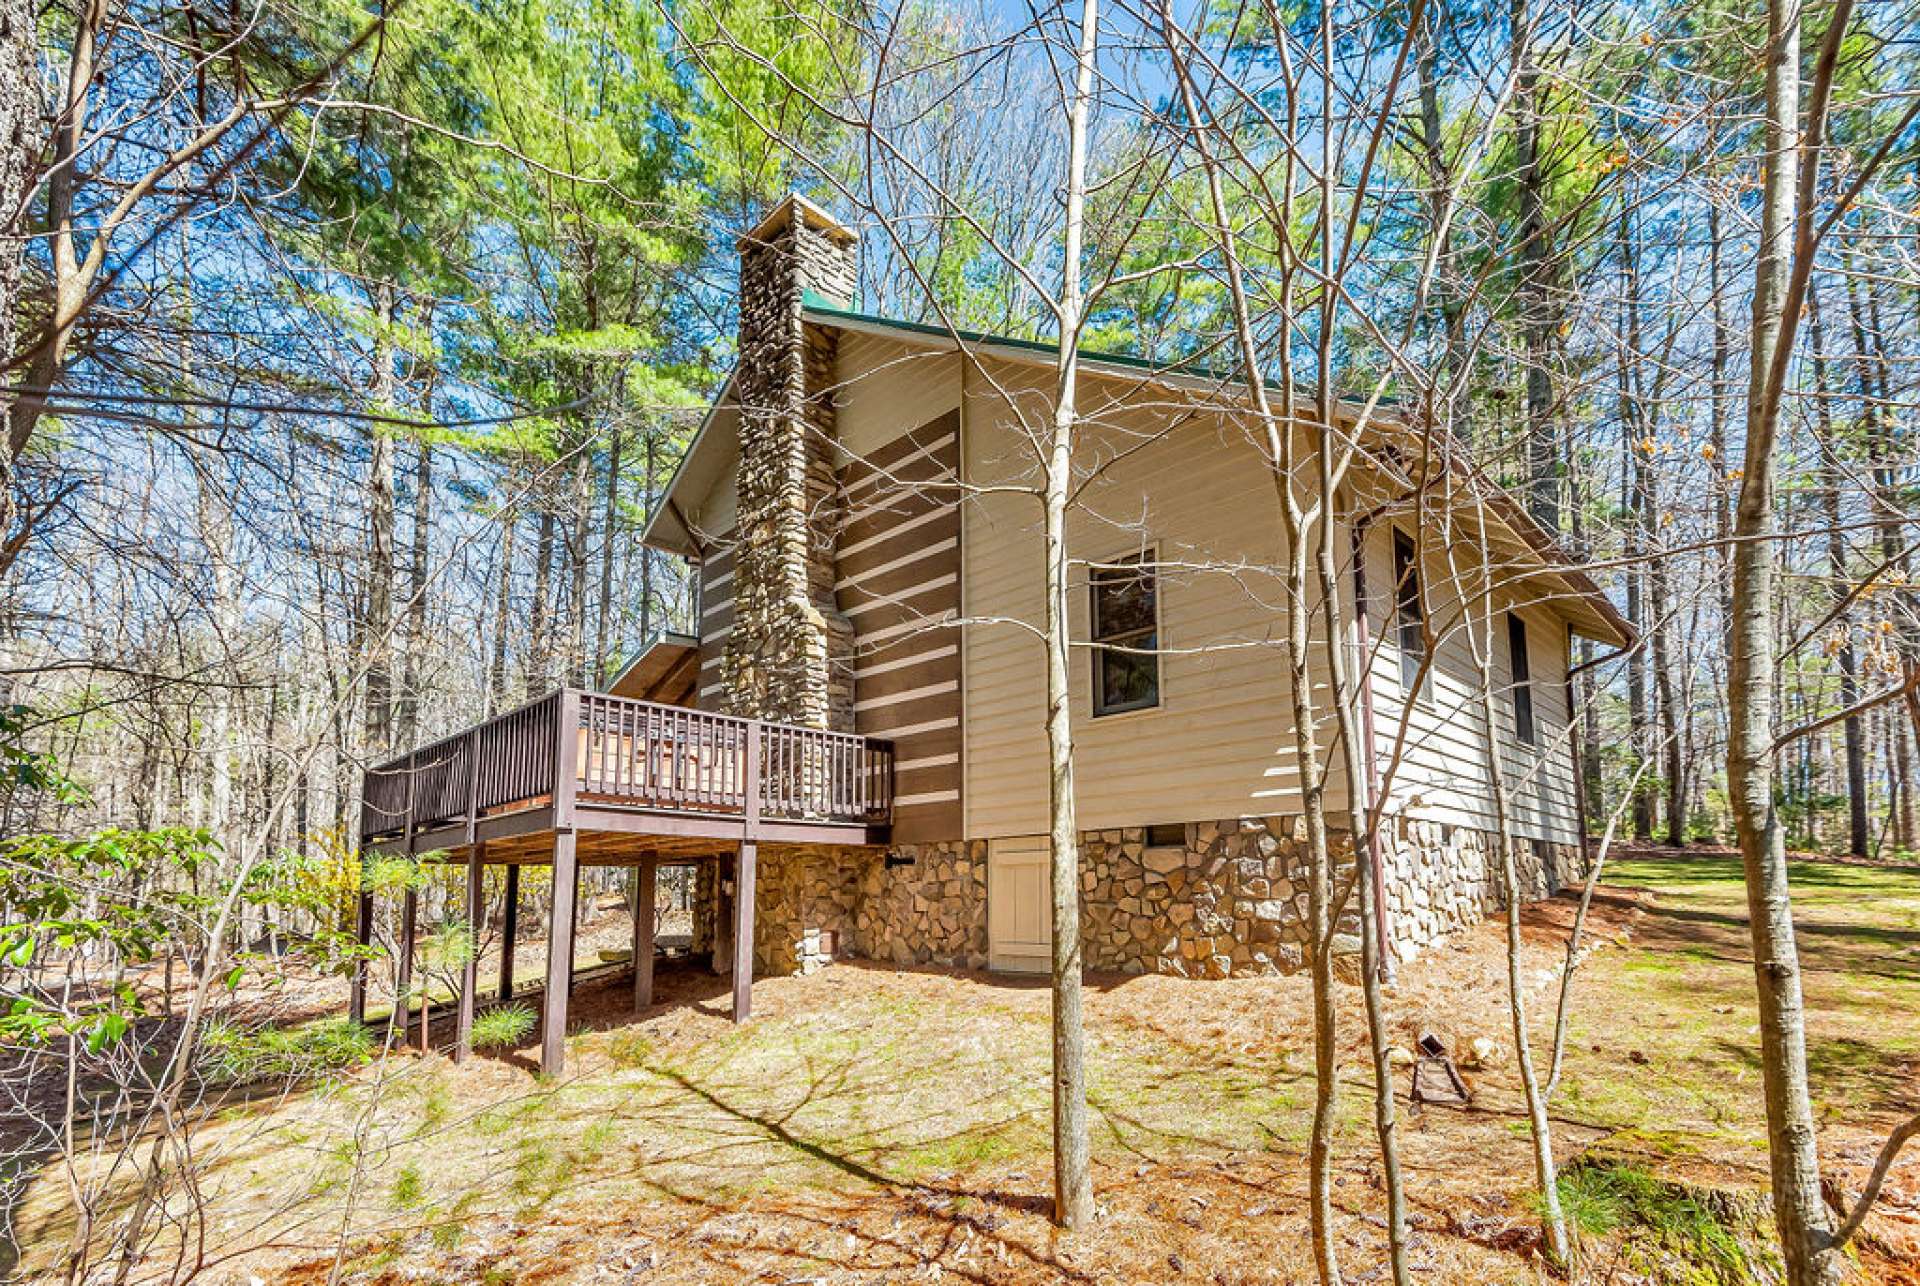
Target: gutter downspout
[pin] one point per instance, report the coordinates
(1364, 683)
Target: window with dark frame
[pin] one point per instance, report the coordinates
(1167, 835)
(1408, 613)
(1522, 678)
(1125, 618)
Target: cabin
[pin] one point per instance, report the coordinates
(847, 743)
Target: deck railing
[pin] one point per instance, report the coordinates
(632, 754)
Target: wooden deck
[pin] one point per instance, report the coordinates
(687, 780)
(583, 778)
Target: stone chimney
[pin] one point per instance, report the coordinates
(789, 656)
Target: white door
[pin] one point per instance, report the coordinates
(1019, 920)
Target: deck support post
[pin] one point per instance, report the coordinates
(721, 962)
(510, 922)
(573, 927)
(401, 1019)
(363, 935)
(645, 884)
(470, 970)
(553, 1029)
(743, 878)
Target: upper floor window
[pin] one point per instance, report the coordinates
(1126, 623)
(1409, 613)
(1522, 678)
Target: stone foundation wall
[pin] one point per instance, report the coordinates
(1231, 901)
(929, 910)
(805, 907)
(1441, 879)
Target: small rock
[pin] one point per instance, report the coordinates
(1481, 1051)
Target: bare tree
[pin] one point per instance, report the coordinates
(1790, 228)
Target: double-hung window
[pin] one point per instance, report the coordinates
(1126, 630)
(1409, 614)
(1522, 678)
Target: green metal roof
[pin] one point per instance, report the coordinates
(826, 310)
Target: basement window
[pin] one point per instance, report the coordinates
(1126, 621)
(1167, 835)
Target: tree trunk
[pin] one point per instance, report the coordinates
(1639, 714)
(1906, 827)
(213, 516)
(1425, 34)
(1884, 455)
(1536, 308)
(1648, 591)
(502, 612)
(646, 555)
(380, 536)
(604, 661)
(539, 667)
(579, 528)
(19, 156)
(415, 665)
(1072, 1172)
(1717, 420)
(1799, 1212)
(1540, 1130)
(1278, 431)
(1846, 660)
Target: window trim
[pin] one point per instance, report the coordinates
(1526, 724)
(1408, 630)
(1149, 554)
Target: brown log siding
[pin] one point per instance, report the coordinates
(900, 585)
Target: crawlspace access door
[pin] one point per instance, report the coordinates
(1018, 918)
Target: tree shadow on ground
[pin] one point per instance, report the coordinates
(1847, 1070)
(1829, 947)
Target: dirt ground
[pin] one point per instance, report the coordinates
(874, 1124)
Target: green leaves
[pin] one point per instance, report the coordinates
(109, 1026)
(23, 770)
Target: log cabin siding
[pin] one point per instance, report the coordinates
(897, 569)
(898, 581)
(716, 620)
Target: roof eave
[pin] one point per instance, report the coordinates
(666, 528)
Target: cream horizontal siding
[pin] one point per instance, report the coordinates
(887, 388)
(1220, 744)
(1443, 774)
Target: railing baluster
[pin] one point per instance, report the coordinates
(634, 753)
(679, 743)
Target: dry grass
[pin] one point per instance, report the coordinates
(874, 1124)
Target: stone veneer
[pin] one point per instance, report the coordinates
(1230, 902)
(789, 654)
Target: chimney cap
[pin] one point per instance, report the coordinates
(791, 206)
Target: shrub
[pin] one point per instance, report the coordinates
(232, 1054)
(408, 1187)
(1685, 1235)
(503, 1027)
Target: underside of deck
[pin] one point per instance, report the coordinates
(586, 779)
